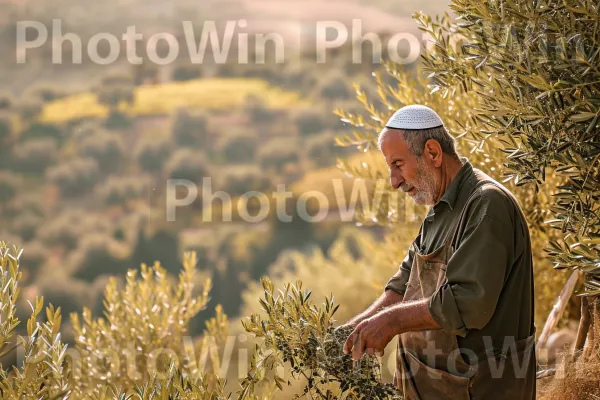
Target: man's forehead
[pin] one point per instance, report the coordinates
(392, 138)
(393, 144)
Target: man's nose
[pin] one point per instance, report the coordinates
(396, 181)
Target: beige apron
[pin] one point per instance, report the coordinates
(439, 372)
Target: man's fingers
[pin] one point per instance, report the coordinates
(359, 347)
(350, 342)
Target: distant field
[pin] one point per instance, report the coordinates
(211, 94)
(310, 11)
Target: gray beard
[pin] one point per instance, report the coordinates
(425, 185)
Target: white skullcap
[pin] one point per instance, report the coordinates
(414, 117)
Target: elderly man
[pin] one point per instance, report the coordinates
(462, 299)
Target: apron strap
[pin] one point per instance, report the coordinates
(453, 232)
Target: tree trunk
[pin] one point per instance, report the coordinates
(558, 310)
(584, 324)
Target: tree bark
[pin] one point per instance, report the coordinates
(558, 310)
(584, 325)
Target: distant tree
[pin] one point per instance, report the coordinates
(321, 148)
(117, 120)
(151, 154)
(69, 227)
(9, 185)
(25, 225)
(107, 149)
(187, 164)
(5, 128)
(190, 129)
(145, 73)
(115, 90)
(187, 72)
(239, 179)
(334, 87)
(39, 130)
(310, 121)
(35, 254)
(119, 190)
(84, 129)
(35, 156)
(258, 111)
(24, 203)
(66, 292)
(98, 254)
(7, 100)
(46, 92)
(29, 108)
(278, 152)
(161, 245)
(75, 177)
(238, 146)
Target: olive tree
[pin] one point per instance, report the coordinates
(534, 69)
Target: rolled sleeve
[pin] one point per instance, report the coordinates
(398, 282)
(475, 276)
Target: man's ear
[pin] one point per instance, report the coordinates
(434, 152)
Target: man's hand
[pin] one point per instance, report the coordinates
(388, 298)
(370, 336)
(352, 324)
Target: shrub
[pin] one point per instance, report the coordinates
(238, 147)
(9, 185)
(42, 372)
(75, 177)
(107, 149)
(152, 154)
(150, 313)
(35, 156)
(153, 312)
(187, 164)
(190, 129)
(278, 152)
(293, 330)
(354, 270)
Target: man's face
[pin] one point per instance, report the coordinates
(416, 176)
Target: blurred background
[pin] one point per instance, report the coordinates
(86, 149)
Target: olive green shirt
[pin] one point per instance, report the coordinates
(489, 287)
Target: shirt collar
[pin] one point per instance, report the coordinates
(451, 194)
